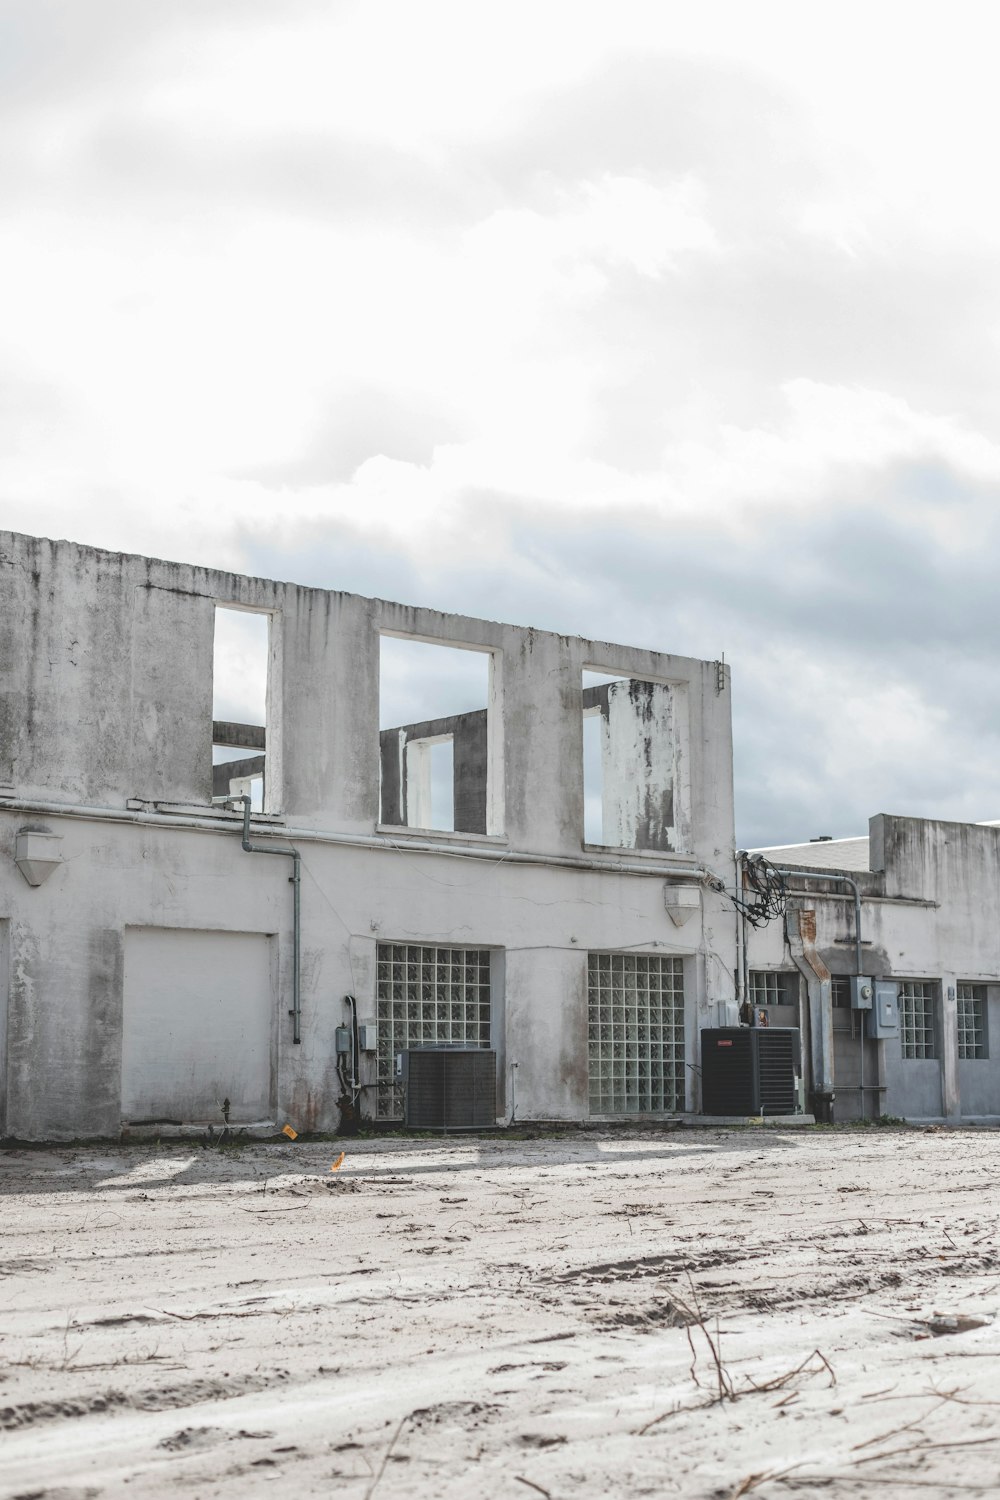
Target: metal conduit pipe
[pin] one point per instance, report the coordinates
(840, 880)
(296, 879)
(407, 845)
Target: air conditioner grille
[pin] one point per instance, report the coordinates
(450, 1088)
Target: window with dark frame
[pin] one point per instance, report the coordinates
(917, 1028)
(972, 1022)
(774, 987)
(841, 992)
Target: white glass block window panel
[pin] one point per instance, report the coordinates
(972, 1022)
(635, 1033)
(917, 1032)
(426, 997)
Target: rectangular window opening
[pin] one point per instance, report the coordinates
(972, 1023)
(630, 733)
(917, 1027)
(439, 748)
(778, 987)
(239, 705)
(426, 997)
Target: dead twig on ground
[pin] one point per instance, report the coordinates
(765, 1476)
(892, 1481)
(926, 1447)
(533, 1486)
(780, 1381)
(725, 1387)
(369, 1492)
(897, 1431)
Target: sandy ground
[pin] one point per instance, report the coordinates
(695, 1313)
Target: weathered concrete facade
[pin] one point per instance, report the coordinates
(146, 959)
(930, 912)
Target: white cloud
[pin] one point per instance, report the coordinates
(461, 288)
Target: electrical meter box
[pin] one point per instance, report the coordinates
(862, 992)
(883, 1018)
(342, 1040)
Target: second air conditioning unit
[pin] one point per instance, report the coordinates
(450, 1088)
(750, 1070)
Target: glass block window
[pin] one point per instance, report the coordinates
(916, 1018)
(636, 1033)
(972, 1021)
(773, 988)
(426, 997)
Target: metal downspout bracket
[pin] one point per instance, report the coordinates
(296, 881)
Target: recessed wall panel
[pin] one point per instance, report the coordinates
(197, 1026)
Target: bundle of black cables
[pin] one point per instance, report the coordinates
(766, 888)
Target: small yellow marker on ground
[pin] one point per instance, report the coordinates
(336, 1166)
(292, 1135)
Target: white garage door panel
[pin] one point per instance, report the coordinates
(197, 1026)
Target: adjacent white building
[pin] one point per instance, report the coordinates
(929, 898)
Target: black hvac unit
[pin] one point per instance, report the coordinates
(750, 1070)
(450, 1088)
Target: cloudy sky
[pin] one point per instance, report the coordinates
(669, 324)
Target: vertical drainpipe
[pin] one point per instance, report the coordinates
(296, 880)
(800, 929)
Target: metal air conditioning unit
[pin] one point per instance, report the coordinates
(750, 1070)
(450, 1088)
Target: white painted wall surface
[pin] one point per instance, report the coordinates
(89, 738)
(197, 1026)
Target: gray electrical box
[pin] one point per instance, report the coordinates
(862, 992)
(883, 1018)
(368, 1037)
(342, 1040)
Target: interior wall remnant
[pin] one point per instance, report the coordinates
(639, 753)
(406, 798)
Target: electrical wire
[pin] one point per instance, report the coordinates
(767, 899)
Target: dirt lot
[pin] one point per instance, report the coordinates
(695, 1313)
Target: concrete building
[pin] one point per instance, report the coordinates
(155, 973)
(929, 900)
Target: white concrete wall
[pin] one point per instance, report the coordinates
(105, 706)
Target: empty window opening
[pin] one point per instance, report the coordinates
(636, 1033)
(917, 1031)
(426, 997)
(844, 1018)
(778, 987)
(972, 1022)
(239, 704)
(630, 736)
(437, 744)
(430, 781)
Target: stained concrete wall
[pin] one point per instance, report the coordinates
(930, 911)
(105, 742)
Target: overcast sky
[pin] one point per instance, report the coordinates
(677, 325)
